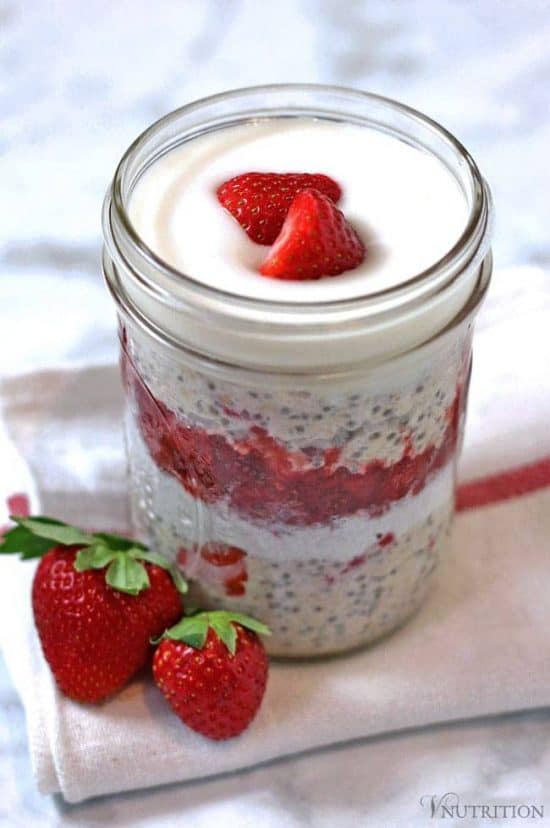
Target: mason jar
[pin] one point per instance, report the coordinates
(309, 486)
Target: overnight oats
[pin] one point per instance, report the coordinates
(297, 270)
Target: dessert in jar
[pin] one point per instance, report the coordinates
(297, 270)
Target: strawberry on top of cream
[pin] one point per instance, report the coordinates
(405, 205)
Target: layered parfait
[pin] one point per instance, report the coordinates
(318, 503)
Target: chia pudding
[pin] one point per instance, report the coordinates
(298, 468)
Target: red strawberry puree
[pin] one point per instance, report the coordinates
(262, 481)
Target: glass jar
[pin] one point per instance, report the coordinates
(311, 487)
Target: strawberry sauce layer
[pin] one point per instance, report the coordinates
(264, 482)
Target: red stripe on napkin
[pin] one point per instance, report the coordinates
(18, 505)
(504, 485)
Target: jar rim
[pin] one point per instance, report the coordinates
(168, 286)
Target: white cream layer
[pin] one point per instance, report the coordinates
(404, 203)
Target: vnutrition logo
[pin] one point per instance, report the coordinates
(449, 806)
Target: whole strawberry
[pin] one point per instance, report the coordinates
(97, 601)
(212, 669)
(260, 201)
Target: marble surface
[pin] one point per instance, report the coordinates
(79, 81)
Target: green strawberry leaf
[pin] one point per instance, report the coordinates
(140, 554)
(118, 541)
(224, 629)
(191, 629)
(94, 557)
(178, 579)
(52, 530)
(21, 541)
(248, 622)
(41, 519)
(127, 575)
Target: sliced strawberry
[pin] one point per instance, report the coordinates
(219, 554)
(236, 584)
(316, 240)
(260, 201)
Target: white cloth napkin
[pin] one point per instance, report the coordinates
(478, 646)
